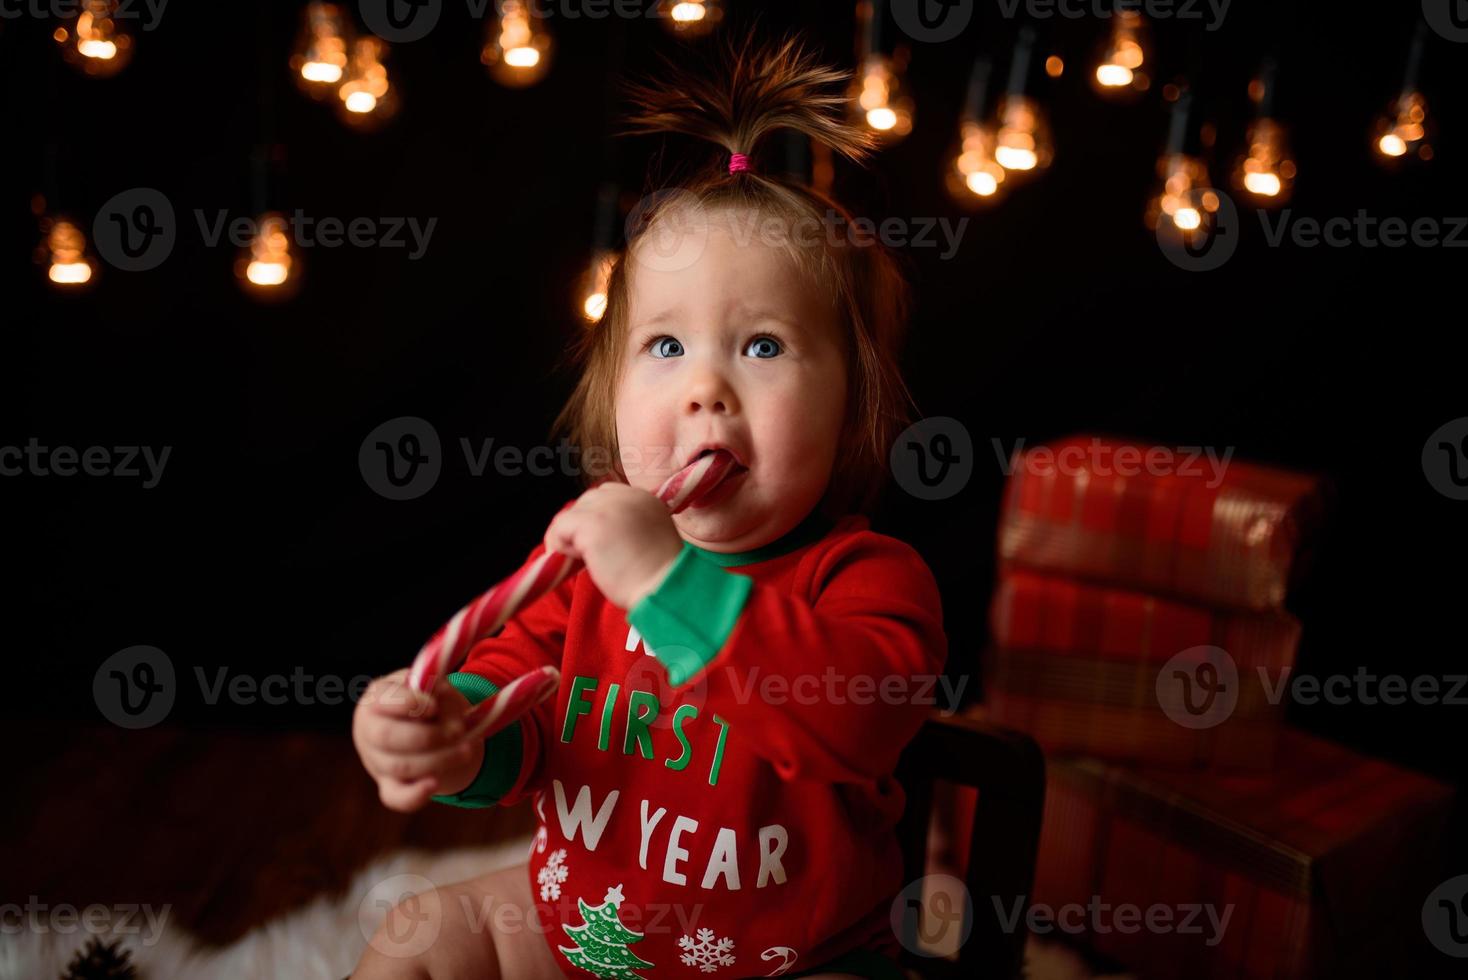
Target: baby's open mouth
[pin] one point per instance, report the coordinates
(737, 468)
(709, 448)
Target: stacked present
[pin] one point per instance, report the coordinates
(1194, 524)
(1140, 636)
(1316, 868)
(1139, 611)
(1127, 675)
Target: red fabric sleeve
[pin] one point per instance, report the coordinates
(876, 614)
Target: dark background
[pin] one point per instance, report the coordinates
(263, 549)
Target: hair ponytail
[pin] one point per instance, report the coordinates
(754, 92)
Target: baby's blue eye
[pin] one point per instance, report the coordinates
(660, 351)
(764, 347)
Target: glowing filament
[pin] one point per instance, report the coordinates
(594, 300)
(981, 173)
(879, 101)
(96, 43)
(367, 83)
(69, 265)
(882, 117)
(324, 58)
(1267, 171)
(1019, 147)
(517, 51)
(92, 39)
(1186, 195)
(1124, 54)
(1409, 127)
(270, 259)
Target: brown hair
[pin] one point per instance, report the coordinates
(760, 88)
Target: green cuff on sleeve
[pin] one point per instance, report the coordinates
(502, 751)
(686, 619)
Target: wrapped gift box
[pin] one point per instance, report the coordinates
(1227, 534)
(1322, 864)
(1087, 669)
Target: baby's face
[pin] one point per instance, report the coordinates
(729, 344)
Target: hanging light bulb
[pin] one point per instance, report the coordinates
(367, 96)
(1022, 143)
(321, 58)
(594, 286)
(1186, 200)
(878, 98)
(978, 173)
(267, 266)
(691, 18)
(1265, 171)
(592, 291)
(64, 250)
(975, 176)
(880, 102)
(518, 48)
(1122, 55)
(95, 43)
(1402, 132)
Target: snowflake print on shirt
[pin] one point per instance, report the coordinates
(707, 953)
(553, 875)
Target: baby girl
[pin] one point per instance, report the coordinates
(713, 777)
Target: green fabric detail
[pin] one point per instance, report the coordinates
(815, 526)
(686, 619)
(502, 750)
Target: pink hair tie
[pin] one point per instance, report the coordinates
(738, 162)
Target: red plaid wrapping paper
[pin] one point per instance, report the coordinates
(1077, 667)
(1160, 527)
(1324, 862)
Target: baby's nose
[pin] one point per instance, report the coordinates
(715, 405)
(710, 391)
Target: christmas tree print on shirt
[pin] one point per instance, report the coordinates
(602, 942)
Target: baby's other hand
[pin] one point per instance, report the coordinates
(410, 743)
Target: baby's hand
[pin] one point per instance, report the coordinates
(624, 536)
(410, 742)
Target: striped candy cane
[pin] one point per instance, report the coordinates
(487, 615)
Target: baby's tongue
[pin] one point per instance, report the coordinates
(696, 479)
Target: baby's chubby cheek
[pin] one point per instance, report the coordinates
(646, 450)
(795, 439)
(792, 436)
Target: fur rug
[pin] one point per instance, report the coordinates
(324, 939)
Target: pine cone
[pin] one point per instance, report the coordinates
(98, 962)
